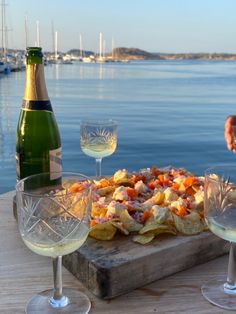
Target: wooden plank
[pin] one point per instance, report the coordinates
(111, 268)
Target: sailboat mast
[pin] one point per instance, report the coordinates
(112, 48)
(55, 45)
(104, 48)
(53, 37)
(2, 25)
(100, 45)
(26, 32)
(3, 5)
(38, 34)
(80, 46)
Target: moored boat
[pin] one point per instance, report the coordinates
(2, 67)
(5, 67)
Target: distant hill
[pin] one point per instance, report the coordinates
(134, 54)
(138, 54)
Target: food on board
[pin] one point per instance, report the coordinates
(147, 203)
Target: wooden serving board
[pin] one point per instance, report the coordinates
(112, 268)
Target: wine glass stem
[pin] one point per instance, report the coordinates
(57, 277)
(98, 167)
(231, 278)
(58, 300)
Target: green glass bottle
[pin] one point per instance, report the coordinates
(38, 143)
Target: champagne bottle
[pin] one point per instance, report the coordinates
(38, 144)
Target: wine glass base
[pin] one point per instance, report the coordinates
(215, 293)
(79, 303)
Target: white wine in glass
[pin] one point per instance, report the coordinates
(54, 221)
(220, 215)
(98, 139)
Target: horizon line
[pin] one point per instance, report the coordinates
(123, 47)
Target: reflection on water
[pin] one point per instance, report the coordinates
(8, 113)
(7, 128)
(168, 112)
(55, 71)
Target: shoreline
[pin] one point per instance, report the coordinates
(131, 54)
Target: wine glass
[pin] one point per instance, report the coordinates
(98, 139)
(54, 221)
(220, 215)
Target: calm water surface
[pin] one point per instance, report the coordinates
(169, 113)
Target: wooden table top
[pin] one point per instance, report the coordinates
(23, 274)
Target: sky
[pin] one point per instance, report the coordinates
(171, 26)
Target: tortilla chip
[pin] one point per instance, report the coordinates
(190, 224)
(159, 198)
(129, 223)
(124, 182)
(104, 231)
(120, 227)
(156, 229)
(105, 191)
(144, 238)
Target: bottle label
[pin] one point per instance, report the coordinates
(55, 163)
(37, 105)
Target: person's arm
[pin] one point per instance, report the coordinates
(230, 141)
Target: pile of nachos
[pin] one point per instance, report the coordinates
(147, 203)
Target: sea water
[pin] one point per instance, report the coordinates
(168, 113)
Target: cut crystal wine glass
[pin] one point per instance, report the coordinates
(98, 139)
(54, 221)
(220, 215)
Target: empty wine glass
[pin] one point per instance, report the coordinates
(54, 221)
(220, 215)
(98, 139)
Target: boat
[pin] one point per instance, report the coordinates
(89, 59)
(5, 65)
(2, 67)
(82, 56)
(101, 58)
(15, 62)
(66, 59)
(58, 58)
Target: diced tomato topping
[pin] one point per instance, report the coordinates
(190, 191)
(164, 180)
(155, 172)
(175, 186)
(132, 193)
(111, 180)
(103, 183)
(152, 184)
(93, 222)
(181, 211)
(189, 181)
(76, 187)
(145, 216)
(137, 177)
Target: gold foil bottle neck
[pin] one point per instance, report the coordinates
(35, 87)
